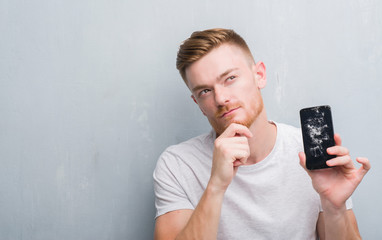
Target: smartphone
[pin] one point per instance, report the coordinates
(317, 135)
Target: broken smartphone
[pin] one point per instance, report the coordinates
(317, 135)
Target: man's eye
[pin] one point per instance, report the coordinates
(204, 91)
(231, 78)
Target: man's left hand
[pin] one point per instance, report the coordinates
(337, 184)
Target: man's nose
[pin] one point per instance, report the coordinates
(221, 96)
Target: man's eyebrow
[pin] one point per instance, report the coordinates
(227, 72)
(197, 88)
(220, 77)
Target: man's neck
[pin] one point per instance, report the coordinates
(263, 140)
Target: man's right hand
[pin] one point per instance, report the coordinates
(231, 150)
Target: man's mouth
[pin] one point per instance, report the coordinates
(228, 112)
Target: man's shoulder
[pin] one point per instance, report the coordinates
(289, 128)
(198, 142)
(289, 133)
(192, 152)
(202, 144)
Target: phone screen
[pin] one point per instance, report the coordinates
(317, 134)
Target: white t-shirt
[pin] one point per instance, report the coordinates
(272, 199)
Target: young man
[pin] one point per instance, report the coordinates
(243, 180)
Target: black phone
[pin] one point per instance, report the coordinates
(317, 135)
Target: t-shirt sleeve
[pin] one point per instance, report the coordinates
(169, 194)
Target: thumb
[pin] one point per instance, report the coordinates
(302, 157)
(365, 165)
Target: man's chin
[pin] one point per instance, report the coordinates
(244, 123)
(220, 129)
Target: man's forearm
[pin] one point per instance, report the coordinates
(339, 224)
(204, 221)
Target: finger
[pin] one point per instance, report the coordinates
(337, 139)
(240, 162)
(338, 150)
(344, 161)
(241, 155)
(365, 165)
(239, 140)
(237, 163)
(231, 143)
(234, 143)
(234, 129)
(302, 157)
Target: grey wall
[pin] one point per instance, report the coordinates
(89, 98)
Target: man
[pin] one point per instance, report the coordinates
(243, 180)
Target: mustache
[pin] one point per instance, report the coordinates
(226, 108)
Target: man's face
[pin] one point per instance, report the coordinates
(226, 85)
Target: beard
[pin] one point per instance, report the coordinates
(220, 124)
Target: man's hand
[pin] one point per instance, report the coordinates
(231, 150)
(337, 184)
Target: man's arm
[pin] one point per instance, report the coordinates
(230, 151)
(201, 223)
(335, 185)
(351, 225)
(169, 225)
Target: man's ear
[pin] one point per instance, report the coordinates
(260, 74)
(193, 98)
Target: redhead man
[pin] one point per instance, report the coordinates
(246, 179)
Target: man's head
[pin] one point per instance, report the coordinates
(202, 42)
(225, 82)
